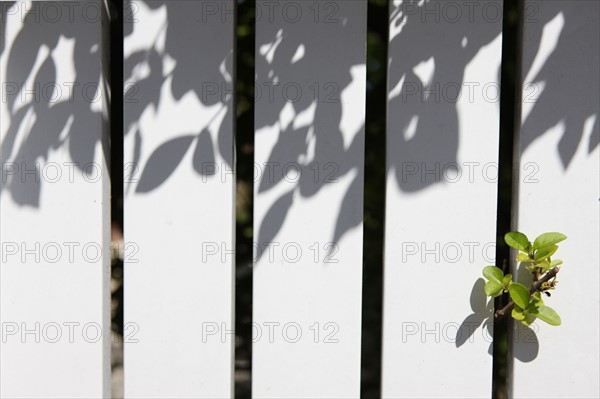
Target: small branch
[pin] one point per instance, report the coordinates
(537, 286)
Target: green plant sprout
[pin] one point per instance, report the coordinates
(526, 303)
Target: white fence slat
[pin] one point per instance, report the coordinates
(440, 228)
(559, 192)
(54, 203)
(309, 150)
(179, 199)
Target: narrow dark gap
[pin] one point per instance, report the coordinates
(244, 147)
(115, 79)
(510, 111)
(116, 110)
(374, 205)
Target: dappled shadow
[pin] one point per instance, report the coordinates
(308, 78)
(429, 52)
(4, 7)
(201, 71)
(52, 94)
(424, 131)
(55, 116)
(424, 78)
(561, 77)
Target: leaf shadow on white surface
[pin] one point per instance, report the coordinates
(528, 345)
(564, 88)
(45, 122)
(163, 162)
(200, 72)
(483, 309)
(46, 114)
(324, 150)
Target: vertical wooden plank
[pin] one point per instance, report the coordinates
(179, 199)
(558, 191)
(442, 148)
(309, 150)
(54, 202)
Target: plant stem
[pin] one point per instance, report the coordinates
(537, 286)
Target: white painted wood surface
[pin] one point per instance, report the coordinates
(443, 111)
(559, 192)
(179, 199)
(441, 197)
(308, 202)
(54, 203)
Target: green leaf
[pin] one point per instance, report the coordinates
(556, 262)
(548, 315)
(548, 239)
(523, 257)
(544, 265)
(519, 294)
(507, 279)
(493, 288)
(536, 298)
(530, 267)
(529, 318)
(493, 273)
(517, 240)
(545, 252)
(517, 313)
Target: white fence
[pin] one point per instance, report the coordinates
(179, 197)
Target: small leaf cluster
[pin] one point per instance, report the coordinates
(536, 257)
(528, 308)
